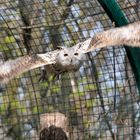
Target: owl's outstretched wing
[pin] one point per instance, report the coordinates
(126, 35)
(12, 68)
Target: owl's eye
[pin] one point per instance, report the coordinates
(65, 54)
(75, 53)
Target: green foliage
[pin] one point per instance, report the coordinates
(23, 109)
(10, 39)
(3, 48)
(15, 104)
(89, 103)
(63, 2)
(83, 80)
(35, 109)
(55, 89)
(77, 94)
(86, 122)
(44, 84)
(90, 87)
(3, 108)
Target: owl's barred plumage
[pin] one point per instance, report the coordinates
(58, 61)
(127, 35)
(12, 68)
(70, 59)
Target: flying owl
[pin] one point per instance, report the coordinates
(70, 59)
(58, 62)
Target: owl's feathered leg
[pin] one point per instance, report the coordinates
(43, 75)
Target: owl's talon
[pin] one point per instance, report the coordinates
(43, 76)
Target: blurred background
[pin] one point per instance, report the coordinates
(101, 100)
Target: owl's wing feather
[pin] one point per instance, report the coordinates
(126, 35)
(12, 68)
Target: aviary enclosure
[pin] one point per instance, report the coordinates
(100, 101)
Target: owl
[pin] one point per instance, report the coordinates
(57, 62)
(68, 59)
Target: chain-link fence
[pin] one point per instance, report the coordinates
(100, 100)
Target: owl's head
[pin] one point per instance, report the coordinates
(70, 56)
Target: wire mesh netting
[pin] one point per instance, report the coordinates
(100, 101)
